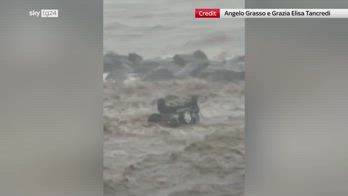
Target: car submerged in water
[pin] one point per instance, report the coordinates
(176, 110)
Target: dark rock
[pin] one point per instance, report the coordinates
(192, 69)
(113, 61)
(179, 60)
(222, 75)
(167, 64)
(135, 58)
(184, 59)
(117, 66)
(151, 63)
(146, 67)
(159, 74)
(200, 55)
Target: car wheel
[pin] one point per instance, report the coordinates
(155, 118)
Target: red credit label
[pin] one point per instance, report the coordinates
(207, 13)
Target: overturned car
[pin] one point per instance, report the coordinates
(176, 110)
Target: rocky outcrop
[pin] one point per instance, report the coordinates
(180, 66)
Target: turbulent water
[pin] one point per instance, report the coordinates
(142, 159)
(160, 28)
(146, 159)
